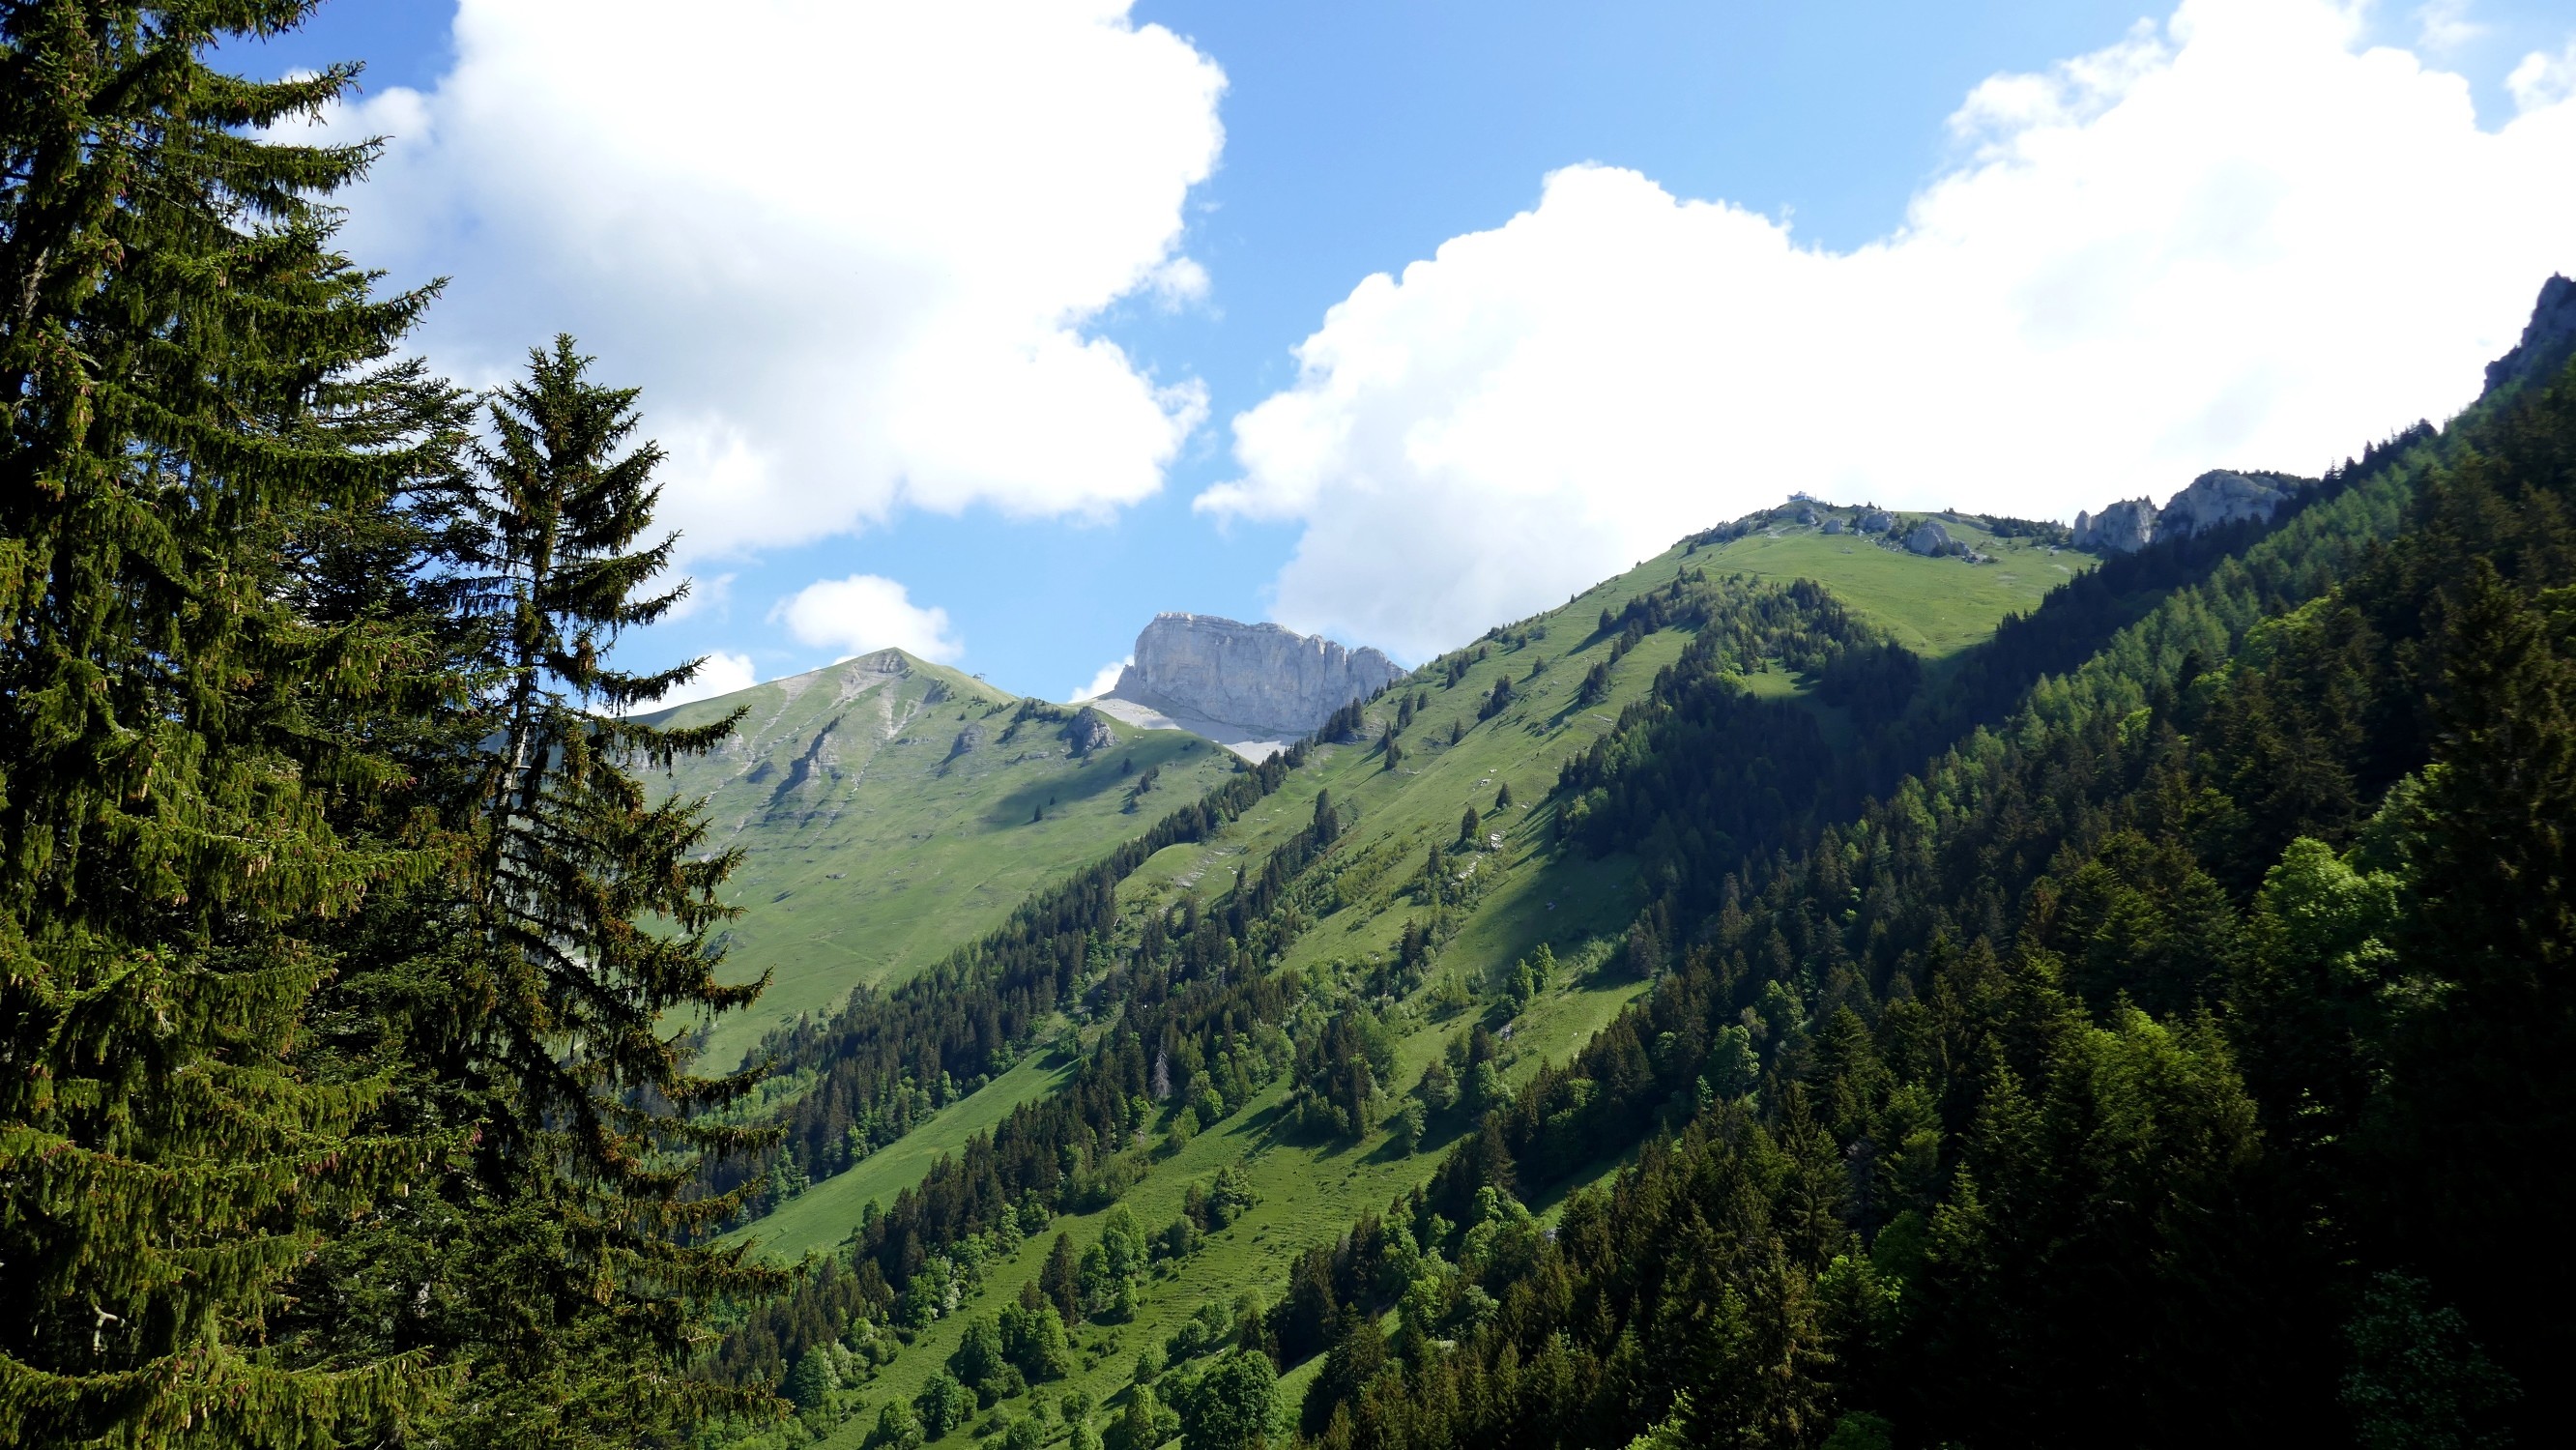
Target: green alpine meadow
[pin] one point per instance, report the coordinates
(1859, 979)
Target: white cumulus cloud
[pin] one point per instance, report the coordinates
(2236, 239)
(718, 674)
(1103, 680)
(866, 612)
(850, 250)
(2543, 80)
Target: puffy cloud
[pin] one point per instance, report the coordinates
(866, 612)
(2543, 80)
(719, 674)
(1103, 680)
(2235, 239)
(848, 249)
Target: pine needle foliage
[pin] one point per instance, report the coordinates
(191, 382)
(515, 996)
(573, 850)
(590, 908)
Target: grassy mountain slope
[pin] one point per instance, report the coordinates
(884, 807)
(1305, 1193)
(820, 1217)
(1504, 904)
(1529, 894)
(1982, 1131)
(2128, 1068)
(2019, 1050)
(1934, 611)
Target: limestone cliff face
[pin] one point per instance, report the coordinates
(2220, 496)
(1260, 677)
(2123, 528)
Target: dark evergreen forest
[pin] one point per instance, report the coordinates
(2161, 1066)
(889, 1059)
(338, 1109)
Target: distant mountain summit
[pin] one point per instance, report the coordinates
(2546, 339)
(1251, 687)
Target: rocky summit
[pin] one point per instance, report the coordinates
(2546, 339)
(2122, 528)
(1261, 680)
(2220, 496)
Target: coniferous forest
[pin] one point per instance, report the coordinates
(2145, 1026)
(337, 1108)
(2151, 1069)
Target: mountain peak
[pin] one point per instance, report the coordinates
(2547, 339)
(1252, 687)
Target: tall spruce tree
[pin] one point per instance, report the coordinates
(573, 848)
(586, 964)
(196, 385)
(536, 1265)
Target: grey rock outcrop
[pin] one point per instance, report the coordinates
(1260, 677)
(2547, 339)
(2221, 496)
(2123, 528)
(1089, 732)
(1927, 537)
(1875, 521)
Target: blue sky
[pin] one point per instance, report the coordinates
(1359, 139)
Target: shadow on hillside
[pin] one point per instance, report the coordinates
(1442, 1131)
(1098, 776)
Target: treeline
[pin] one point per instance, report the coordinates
(817, 1309)
(1256, 897)
(1984, 686)
(1699, 768)
(2162, 1066)
(1194, 1026)
(1076, 1150)
(890, 1058)
(1197, 1017)
(1700, 775)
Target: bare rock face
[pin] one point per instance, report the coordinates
(2546, 340)
(2123, 528)
(1928, 537)
(1089, 732)
(1259, 677)
(2222, 497)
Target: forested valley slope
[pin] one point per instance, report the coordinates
(2070, 1027)
(1342, 909)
